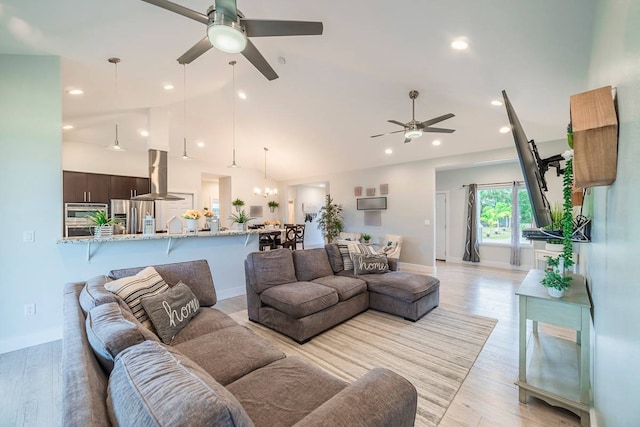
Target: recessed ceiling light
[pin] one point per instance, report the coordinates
(242, 95)
(459, 44)
(75, 91)
(144, 132)
(200, 144)
(496, 102)
(67, 127)
(436, 142)
(167, 86)
(505, 129)
(388, 151)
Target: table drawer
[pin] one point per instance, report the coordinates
(554, 312)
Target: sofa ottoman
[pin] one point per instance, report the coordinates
(403, 294)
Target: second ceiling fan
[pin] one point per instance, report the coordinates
(228, 30)
(414, 128)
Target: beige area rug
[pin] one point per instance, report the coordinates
(434, 353)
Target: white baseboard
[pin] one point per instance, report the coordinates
(492, 264)
(593, 419)
(41, 337)
(231, 292)
(417, 267)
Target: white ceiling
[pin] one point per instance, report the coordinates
(334, 91)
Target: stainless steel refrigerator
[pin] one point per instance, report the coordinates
(130, 213)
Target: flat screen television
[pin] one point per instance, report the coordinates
(371, 203)
(533, 168)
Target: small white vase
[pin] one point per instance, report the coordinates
(192, 224)
(103, 231)
(239, 226)
(556, 293)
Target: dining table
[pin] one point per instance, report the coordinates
(270, 237)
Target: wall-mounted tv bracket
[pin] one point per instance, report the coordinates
(545, 164)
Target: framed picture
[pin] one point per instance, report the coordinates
(384, 189)
(357, 191)
(371, 192)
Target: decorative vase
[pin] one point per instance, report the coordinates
(556, 293)
(237, 208)
(192, 224)
(239, 226)
(103, 231)
(272, 209)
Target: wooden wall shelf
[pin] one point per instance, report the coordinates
(595, 137)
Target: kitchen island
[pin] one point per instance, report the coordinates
(225, 251)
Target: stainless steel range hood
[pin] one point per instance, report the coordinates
(158, 178)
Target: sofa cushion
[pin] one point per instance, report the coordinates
(195, 274)
(408, 287)
(299, 299)
(335, 258)
(270, 268)
(94, 293)
(230, 353)
(311, 264)
(370, 264)
(110, 329)
(132, 289)
(284, 392)
(156, 385)
(346, 287)
(208, 320)
(171, 310)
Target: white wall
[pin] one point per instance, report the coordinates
(310, 197)
(31, 191)
(612, 270)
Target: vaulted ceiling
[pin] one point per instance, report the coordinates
(334, 90)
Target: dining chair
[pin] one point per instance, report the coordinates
(294, 234)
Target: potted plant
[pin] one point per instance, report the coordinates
(273, 205)
(557, 213)
(366, 238)
(240, 219)
(192, 216)
(330, 219)
(238, 203)
(555, 279)
(103, 225)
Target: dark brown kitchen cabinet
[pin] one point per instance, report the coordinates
(126, 187)
(84, 187)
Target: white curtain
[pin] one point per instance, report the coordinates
(515, 225)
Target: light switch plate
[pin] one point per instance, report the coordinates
(29, 236)
(427, 222)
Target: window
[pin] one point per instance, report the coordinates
(495, 223)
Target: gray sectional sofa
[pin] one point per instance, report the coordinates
(213, 372)
(305, 292)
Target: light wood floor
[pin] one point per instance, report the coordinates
(30, 384)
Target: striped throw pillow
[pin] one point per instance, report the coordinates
(133, 288)
(348, 250)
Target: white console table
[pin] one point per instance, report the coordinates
(554, 369)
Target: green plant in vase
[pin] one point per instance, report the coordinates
(555, 278)
(240, 218)
(273, 205)
(103, 224)
(330, 219)
(366, 238)
(238, 203)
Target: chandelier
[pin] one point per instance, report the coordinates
(267, 192)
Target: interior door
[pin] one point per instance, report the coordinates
(167, 209)
(441, 226)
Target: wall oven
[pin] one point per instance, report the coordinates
(77, 218)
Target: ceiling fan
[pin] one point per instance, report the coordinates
(228, 31)
(414, 129)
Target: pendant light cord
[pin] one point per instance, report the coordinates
(184, 110)
(233, 108)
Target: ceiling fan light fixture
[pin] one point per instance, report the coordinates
(226, 35)
(413, 133)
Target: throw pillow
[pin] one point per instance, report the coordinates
(131, 289)
(350, 249)
(370, 264)
(346, 257)
(170, 311)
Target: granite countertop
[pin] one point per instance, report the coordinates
(157, 236)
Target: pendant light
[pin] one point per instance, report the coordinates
(267, 192)
(116, 144)
(184, 112)
(233, 112)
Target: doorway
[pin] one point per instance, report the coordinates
(442, 215)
